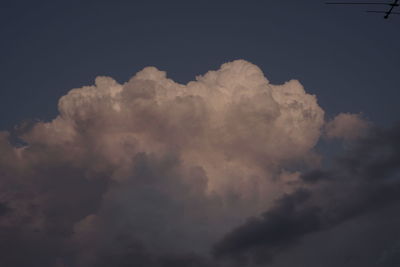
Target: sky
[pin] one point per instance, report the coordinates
(198, 133)
(343, 55)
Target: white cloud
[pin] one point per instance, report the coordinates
(181, 160)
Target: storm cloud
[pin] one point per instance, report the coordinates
(156, 173)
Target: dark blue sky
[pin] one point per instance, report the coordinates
(346, 57)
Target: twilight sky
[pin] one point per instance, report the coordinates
(198, 133)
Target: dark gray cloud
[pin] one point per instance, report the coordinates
(365, 179)
(277, 229)
(4, 209)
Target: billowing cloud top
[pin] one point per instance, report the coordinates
(229, 122)
(154, 173)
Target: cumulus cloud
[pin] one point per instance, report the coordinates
(153, 167)
(156, 173)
